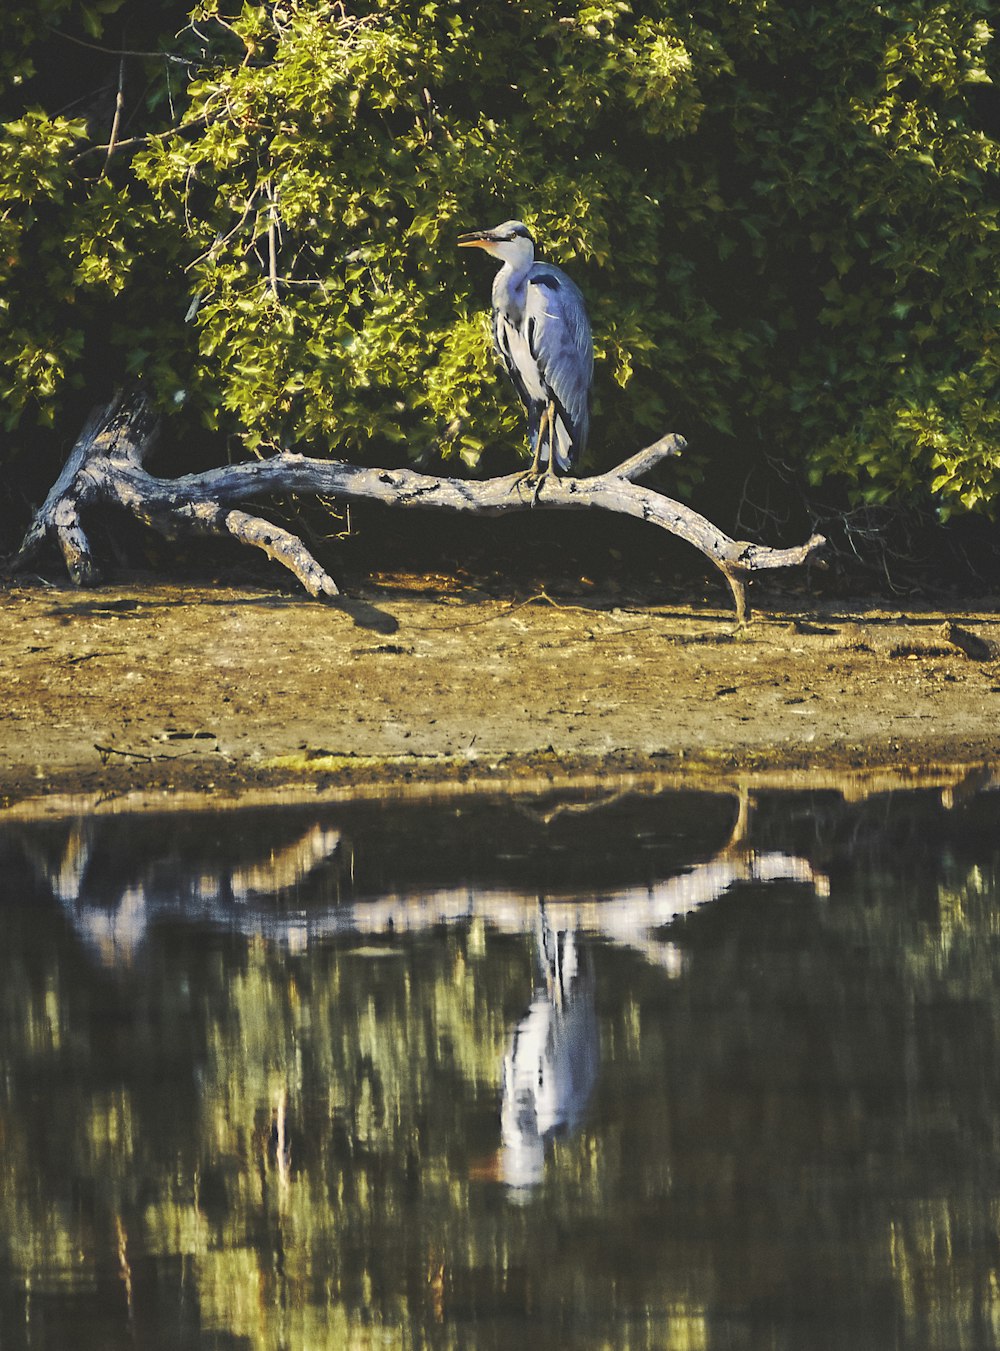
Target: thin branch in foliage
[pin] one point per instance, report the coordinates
(123, 51)
(116, 121)
(188, 180)
(272, 240)
(222, 240)
(214, 18)
(146, 139)
(310, 283)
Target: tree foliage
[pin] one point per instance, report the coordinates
(784, 219)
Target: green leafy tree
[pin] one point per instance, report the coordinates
(784, 219)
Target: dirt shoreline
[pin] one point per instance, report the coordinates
(146, 691)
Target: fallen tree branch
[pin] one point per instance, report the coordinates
(107, 465)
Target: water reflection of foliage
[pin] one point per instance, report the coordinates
(330, 1152)
(308, 1128)
(298, 1143)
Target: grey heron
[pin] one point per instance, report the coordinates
(542, 334)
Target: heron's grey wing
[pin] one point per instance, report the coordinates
(506, 342)
(558, 333)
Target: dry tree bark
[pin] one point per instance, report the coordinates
(107, 465)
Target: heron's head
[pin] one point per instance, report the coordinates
(511, 242)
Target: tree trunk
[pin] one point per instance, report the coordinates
(107, 465)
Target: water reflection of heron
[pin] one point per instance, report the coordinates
(551, 1068)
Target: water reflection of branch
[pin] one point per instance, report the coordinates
(589, 806)
(584, 808)
(630, 917)
(64, 873)
(286, 868)
(113, 918)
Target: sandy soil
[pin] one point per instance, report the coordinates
(217, 689)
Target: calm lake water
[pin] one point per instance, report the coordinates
(680, 1070)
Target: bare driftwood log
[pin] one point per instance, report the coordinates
(106, 465)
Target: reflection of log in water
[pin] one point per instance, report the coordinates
(258, 896)
(113, 918)
(629, 917)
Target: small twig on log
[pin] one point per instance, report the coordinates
(106, 465)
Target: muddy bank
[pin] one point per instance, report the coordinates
(224, 690)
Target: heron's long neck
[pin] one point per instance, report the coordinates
(510, 288)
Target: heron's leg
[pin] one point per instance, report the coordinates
(544, 422)
(535, 471)
(546, 427)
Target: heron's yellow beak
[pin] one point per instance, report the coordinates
(478, 239)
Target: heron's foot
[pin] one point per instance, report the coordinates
(529, 476)
(540, 479)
